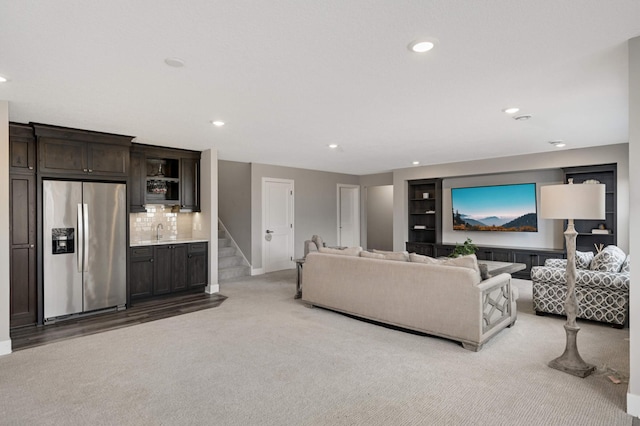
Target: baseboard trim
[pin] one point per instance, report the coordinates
(257, 271)
(212, 288)
(5, 347)
(633, 404)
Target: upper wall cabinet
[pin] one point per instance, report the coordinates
(164, 176)
(80, 153)
(23, 149)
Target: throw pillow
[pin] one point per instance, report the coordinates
(349, 251)
(626, 266)
(419, 258)
(394, 255)
(370, 255)
(610, 259)
(583, 259)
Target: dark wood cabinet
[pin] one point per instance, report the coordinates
(179, 267)
(141, 272)
(425, 209)
(190, 183)
(165, 176)
(167, 268)
(81, 153)
(22, 149)
(137, 182)
(529, 256)
(22, 195)
(589, 235)
(197, 265)
(22, 226)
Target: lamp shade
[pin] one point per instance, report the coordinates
(572, 201)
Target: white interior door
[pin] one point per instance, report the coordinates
(278, 231)
(348, 215)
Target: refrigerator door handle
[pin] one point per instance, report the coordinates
(85, 242)
(80, 238)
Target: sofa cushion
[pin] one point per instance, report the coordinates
(370, 255)
(349, 251)
(385, 255)
(610, 259)
(419, 258)
(626, 266)
(394, 255)
(469, 261)
(583, 259)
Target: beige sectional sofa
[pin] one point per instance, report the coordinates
(447, 301)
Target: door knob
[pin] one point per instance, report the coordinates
(269, 232)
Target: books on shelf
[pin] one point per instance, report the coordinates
(600, 231)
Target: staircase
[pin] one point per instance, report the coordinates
(231, 262)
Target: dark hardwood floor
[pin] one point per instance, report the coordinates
(140, 312)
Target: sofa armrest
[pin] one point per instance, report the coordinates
(498, 301)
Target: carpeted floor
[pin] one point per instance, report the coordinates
(263, 358)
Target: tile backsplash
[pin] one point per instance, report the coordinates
(175, 225)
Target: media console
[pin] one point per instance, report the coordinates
(528, 256)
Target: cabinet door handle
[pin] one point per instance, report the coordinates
(90, 171)
(151, 260)
(85, 170)
(31, 245)
(190, 256)
(30, 167)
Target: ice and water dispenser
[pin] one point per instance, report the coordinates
(62, 240)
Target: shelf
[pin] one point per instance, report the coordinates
(422, 199)
(425, 229)
(163, 179)
(423, 213)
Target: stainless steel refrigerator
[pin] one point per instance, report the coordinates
(85, 244)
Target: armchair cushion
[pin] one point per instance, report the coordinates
(585, 278)
(626, 266)
(583, 259)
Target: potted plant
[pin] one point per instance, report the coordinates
(464, 249)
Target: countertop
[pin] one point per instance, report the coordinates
(138, 243)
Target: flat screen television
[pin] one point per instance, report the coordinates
(498, 208)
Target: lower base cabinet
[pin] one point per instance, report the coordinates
(168, 268)
(530, 257)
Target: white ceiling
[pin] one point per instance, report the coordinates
(291, 77)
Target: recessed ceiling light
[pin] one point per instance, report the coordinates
(3, 79)
(415, 163)
(421, 46)
(512, 110)
(218, 123)
(522, 117)
(333, 146)
(558, 143)
(174, 62)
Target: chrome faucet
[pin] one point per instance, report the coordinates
(158, 234)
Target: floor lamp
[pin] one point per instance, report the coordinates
(569, 201)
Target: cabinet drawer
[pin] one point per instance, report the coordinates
(197, 247)
(138, 252)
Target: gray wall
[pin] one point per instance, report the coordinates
(633, 399)
(5, 340)
(379, 208)
(316, 205)
(366, 181)
(552, 160)
(234, 189)
(550, 232)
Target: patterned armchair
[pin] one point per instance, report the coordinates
(602, 287)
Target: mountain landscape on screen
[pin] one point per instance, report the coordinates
(499, 208)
